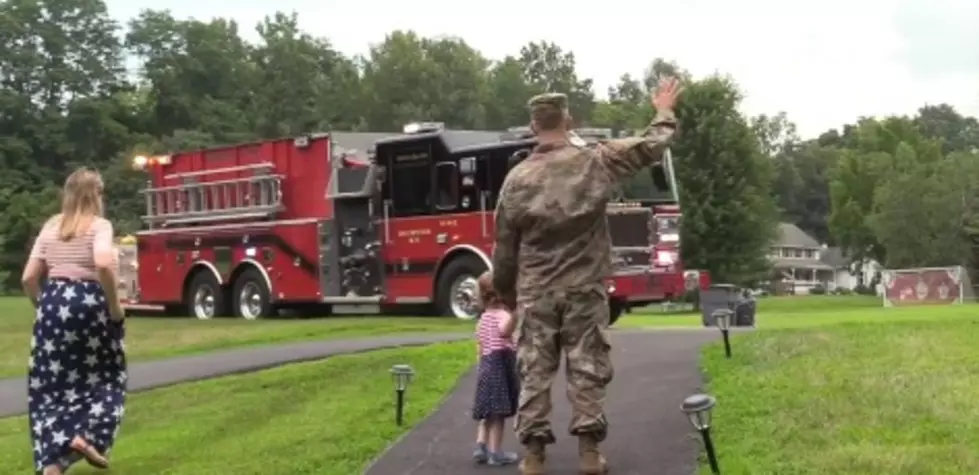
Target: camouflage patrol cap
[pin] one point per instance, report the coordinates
(548, 99)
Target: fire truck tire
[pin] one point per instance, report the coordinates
(456, 287)
(251, 298)
(205, 297)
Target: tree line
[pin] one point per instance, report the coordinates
(80, 88)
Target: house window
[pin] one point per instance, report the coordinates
(797, 253)
(810, 254)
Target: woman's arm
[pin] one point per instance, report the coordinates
(508, 323)
(36, 267)
(104, 254)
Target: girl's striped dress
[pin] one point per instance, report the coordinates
(497, 386)
(77, 367)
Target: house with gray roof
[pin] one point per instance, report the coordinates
(796, 258)
(801, 263)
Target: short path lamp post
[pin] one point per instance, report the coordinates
(722, 318)
(402, 375)
(698, 409)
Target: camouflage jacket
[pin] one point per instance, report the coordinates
(551, 228)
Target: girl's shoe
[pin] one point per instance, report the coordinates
(90, 453)
(480, 455)
(502, 458)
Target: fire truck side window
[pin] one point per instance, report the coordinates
(446, 186)
(500, 161)
(410, 186)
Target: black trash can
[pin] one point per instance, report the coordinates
(744, 312)
(717, 297)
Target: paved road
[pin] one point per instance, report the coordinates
(143, 376)
(655, 371)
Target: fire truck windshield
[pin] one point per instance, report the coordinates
(640, 187)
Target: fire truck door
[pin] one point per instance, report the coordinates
(356, 239)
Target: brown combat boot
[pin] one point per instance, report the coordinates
(533, 460)
(590, 459)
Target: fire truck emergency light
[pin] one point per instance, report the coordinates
(666, 258)
(142, 161)
(421, 127)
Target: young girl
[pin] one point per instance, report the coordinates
(497, 387)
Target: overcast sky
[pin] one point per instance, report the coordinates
(823, 62)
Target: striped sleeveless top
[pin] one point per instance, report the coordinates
(488, 332)
(75, 258)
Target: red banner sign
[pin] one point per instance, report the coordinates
(927, 286)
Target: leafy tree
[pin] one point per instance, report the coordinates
(548, 68)
(956, 132)
(776, 134)
(729, 218)
(926, 216)
(507, 92)
(199, 75)
(801, 187)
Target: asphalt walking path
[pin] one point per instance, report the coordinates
(155, 374)
(654, 372)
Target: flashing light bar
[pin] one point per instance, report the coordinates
(142, 161)
(422, 127)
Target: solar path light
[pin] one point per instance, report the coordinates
(722, 318)
(698, 409)
(402, 375)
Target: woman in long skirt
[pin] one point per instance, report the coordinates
(77, 367)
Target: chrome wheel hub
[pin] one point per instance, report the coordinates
(465, 298)
(204, 303)
(250, 302)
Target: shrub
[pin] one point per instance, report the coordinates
(861, 289)
(818, 289)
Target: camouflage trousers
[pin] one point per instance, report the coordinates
(571, 324)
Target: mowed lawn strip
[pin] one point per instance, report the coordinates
(850, 399)
(323, 418)
(153, 338)
(808, 311)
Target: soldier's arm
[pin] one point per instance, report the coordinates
(507, 244)
(624, 157)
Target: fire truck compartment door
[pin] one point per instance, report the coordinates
(352, 242)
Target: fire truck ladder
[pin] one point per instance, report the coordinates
(193, 201)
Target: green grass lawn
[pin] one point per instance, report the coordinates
(323, 418)
(894, 393)
(150, 338)
(808, 311)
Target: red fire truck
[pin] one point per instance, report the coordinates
(249, 229)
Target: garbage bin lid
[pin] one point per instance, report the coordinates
(723, 286)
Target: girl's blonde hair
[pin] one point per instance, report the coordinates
(488, 296)
(81, 202)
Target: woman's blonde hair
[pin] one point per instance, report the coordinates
(81, 202)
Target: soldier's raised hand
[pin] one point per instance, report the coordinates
(666, 93)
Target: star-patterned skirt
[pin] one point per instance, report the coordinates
(77, 374)
(497, 386)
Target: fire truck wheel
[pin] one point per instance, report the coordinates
(457, 291)
(205, 298)
(251, 298)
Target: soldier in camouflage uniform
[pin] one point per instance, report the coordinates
(551, 257)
